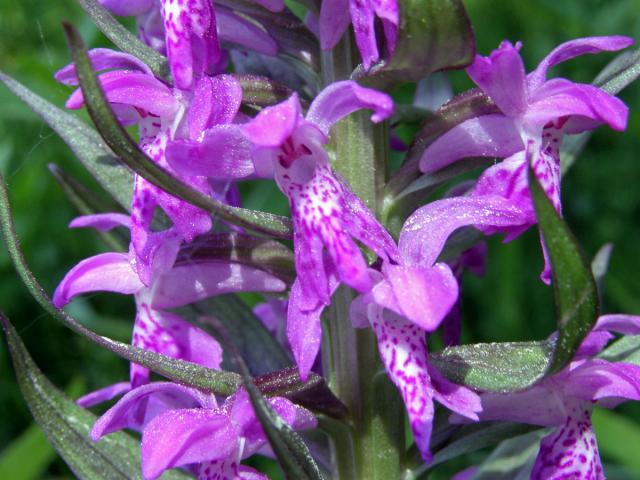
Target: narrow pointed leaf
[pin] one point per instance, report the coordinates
(600, 265)
(293, 455)
(434, 35)
(575, 292)
(83, 140)
(125, 40)
(626, 349)
(123, 145)
(222, 383)
(495, 367)
(67, 426)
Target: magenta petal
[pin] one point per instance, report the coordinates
(188, 283)
(363, 21)
(333, 22)
(574, 48)
(110, 272)
(126, 8)
(571, 451)
(388, 11)
(102, 59)
(559, 98)
(104, 394)
(273, 125)
(456, 398)
(340, 99)
(501, 75)
(224, 153)
(425, 295)
(185, 436)
(236, 29)
(598, 380)
(625, 324)
(216, 100)
(136, 89)
(486, 136)
(130, 411)
(102, 221)
(303, 331)
(425, 232)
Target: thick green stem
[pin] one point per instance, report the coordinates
(359, 152)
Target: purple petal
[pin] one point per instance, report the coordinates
(501, 75)
(340, 99)
(425, 295)
(303, 331)
(273, 5)
(102, 221)
(131, 410)
(188, 283)
(403, 351)
(274, 125)
(363, 21)
(110, 272)
(486, 136)
(104, 394)
(598, 379)
(425, 232)
(126, 8)
(185, 436)
(559, 98)
(575, 48)
(593, 343)
(136, 89)
(456, 398)
(624, 324)
(570, 451)
(236, 29)
(224, 153)
(216, 100)
(333, 22)
(388, 12)
(103, 59)
(171, 335)
(191, 39)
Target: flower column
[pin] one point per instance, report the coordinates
(358, 151)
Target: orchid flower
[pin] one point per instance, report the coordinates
(185, 427)
(564, 401)
(335, 16)
(535, 113)
(173, 286)
(206, 113)
(187, 32)
(410, 300)
(325, 212)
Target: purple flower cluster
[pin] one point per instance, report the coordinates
(197, 130)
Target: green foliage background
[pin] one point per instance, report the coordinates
(601, 201)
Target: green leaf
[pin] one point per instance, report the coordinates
(28, 456)
(262, 91)
(125, 40)
(67, 426)
(472, 438)
(293, 455)
(128, 151)
(434, 35)
(626, 349)
(495, 367)
(618, 438)
(622, 71)
(574, 288)
(83, 140)
(513, 459)
(247, 334)
(600, 265)
(222, 383)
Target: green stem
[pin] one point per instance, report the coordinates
(359, 152)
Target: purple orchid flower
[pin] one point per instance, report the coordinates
(173, 286)
(565, 400)
(188, 33)
(335, 16)
(535, 113)
(409, 300)
(326, 214)
(185, 427)
(165, 115)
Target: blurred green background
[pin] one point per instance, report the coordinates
(601, 201)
